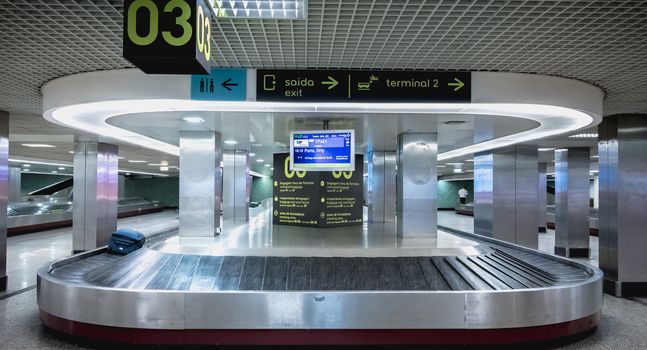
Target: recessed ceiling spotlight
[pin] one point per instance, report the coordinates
(272, 168)
(231, 142)
(26, 165)
(260, 160)
(136, 161)
(545, 149)
(25, 170)
(121, 158)
(163, 168)
(61, 168)
(127, 174)
(268, 165)
(585, 136)
(70, 152)
(457, 170)
(252, 154)
(54, 172)
(442, 166)
(469, 160)
(38, 145)
(595, 157)
(193, 120)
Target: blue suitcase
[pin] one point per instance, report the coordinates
(125, 241)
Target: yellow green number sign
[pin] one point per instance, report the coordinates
(168, 36)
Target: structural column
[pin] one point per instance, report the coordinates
(236, 185)
(200, 183)
(416, 185)
(381, 186)
(505, 194)
(572, 202)
(542, 198)
(4, 189)
(95, 193)
(623, 199)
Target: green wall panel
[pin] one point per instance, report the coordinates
(261, 188)
(448, 192)
(32, 182)
(163, 189)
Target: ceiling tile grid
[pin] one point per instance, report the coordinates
(601, 42)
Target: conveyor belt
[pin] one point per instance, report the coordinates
(500, 269)
(100, 294)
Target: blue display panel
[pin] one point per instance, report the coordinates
(322, 150)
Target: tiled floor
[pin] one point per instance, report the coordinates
(26, 253)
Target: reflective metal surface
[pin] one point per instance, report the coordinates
(416, 185)
(381, 186)
(236, 185)
(542, 198)
(623, 198)
(505, 194)
(572, 201)
(95, 193)
(552, 290)
(4, 179)
(200, 183)
(14, 184)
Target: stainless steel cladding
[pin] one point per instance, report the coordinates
(542, 198)
(572, 201)
(14, 184)
(4, 188)
(200, 183)
(381, 186)
(623, 198)
(236, 185)
(416, 185)
(95, 193)
(506, 194)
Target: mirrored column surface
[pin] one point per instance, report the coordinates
(506, 194)
(416, 185)
(4, 188)
(381, 186)
(236, 185)
(572, 201)
(95, 193)
(200, 183)
(542, 198)
(14, 184)
(623, 202)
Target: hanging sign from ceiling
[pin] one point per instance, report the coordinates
(362, 86)
(168, 36)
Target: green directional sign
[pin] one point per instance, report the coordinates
(362, 86)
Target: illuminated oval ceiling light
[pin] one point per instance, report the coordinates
(70, 152)
(260, 160)
(61, 168)
(38, 145)
(26, 165)
(193, 120)
(25, 170)
(252, 154)
(546, 149)
(231, 142)
(268, 165)
(136, 161)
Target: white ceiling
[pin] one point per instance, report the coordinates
(601, 42)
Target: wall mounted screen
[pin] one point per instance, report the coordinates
(322, 150)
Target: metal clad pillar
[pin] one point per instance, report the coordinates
(542, 196)
(95, 193)
(14, 184)
(381, 186)
(236, 185)
(416, 185)
(572, 201)
(623, 198)
(505, 194)
(4, 188)
(200, 183)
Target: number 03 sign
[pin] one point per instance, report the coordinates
(168, 36)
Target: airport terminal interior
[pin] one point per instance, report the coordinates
(384, 173)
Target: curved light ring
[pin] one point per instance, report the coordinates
(92, 117)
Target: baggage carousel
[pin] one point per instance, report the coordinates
(488, 293)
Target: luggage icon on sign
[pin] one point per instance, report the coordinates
(366, 86)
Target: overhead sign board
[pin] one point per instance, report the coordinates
(322, 150)
(362, 86)
(222, 84)
(168, 36)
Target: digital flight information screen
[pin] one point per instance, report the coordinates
(322, 150)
